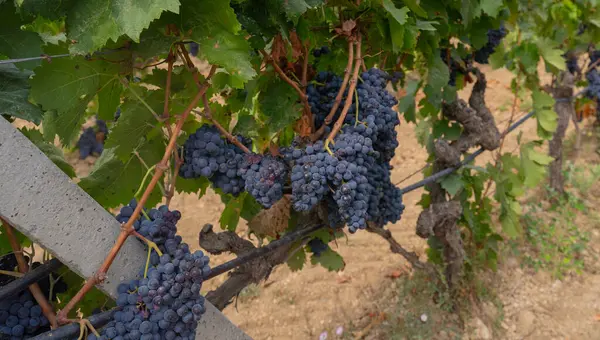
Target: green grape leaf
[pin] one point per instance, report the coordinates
(411, 34)
(192, 185)
(547, 120)
(468, 11)
(14, 95)
(295, 8)
(113, 182)
(551, 55)
(452, 183)
(109, 98)
(222, 79)
(509, 218)
(297, 260)
(230, 216)
(414, 6)
(407, 104)
(215, 27)
(92, 23)
(15, 42)
(533, 165)
(542, 100)
(330, 260)
(400, 14)
(136, 121)
(397, 35)
(50, 150)
(497, 59)
(154, 41)
(65, 86)
(5, 247)
(491, 7)
(279, 103)
(438, 72)
(426, 25)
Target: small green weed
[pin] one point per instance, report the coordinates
(555, 240)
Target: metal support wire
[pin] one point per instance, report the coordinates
(71, 331)
(33, 276)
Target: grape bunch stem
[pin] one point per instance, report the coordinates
(340, 121)
(338, 97)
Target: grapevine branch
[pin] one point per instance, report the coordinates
(357, 62)
(252, 271)
(34, 288)
(127, 229)
(338, 97)
(397, 248)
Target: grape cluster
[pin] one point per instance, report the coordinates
(495, 36)
(593, 78)
(92, 139)
(572, 63)
(344, 178)
(396, 77)
(351, 175)
(117, 114)
(456, 67)
(89, 143)
(208, 154)
(264, 178)
(317, 246)
(21, 317)
(321, 51)
(309, 174)
(167, 303)
(194, 47)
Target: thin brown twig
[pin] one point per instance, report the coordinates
(338, 97)
(152, 65)
(340, 121)
(282, 75)
(127, 228)
(165, 115)
(208, 115)
(171, 191)
(34, 288)
(183, 53)
(305, 66)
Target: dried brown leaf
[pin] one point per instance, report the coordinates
(271, 222)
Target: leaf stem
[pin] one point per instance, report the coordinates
(137, 96)
(148, 172)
